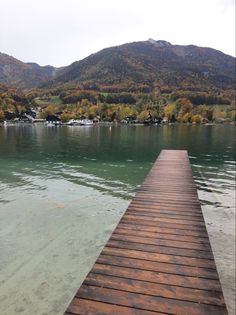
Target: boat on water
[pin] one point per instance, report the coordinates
(53, 120)
(71, 122)
(86, 122)
(7, 123)
(156, 121)
(79, 122)
(53, 123)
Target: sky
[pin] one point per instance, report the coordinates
(59, 32)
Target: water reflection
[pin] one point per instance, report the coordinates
(113, 159)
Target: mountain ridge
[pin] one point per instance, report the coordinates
(153, 63)
(20, 74)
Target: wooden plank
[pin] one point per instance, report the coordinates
(148, 302)
(153, 289)
(168, 212)
(179, 197)
(165, 214)
(155, 239)
(180, 222)
(127, 230)
(165, 206)
(171, 259)
(158, 260)
(171, 201)
(157, 229)
(130, 243)
(90, 307)
(158, 267)
(181, 228)
(151, 276)
(162, 223)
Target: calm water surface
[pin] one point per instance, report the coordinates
(63, 189)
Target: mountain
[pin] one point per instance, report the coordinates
(23, 75)
(155, 63)
(151, 64)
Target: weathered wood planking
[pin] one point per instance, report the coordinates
(158, 259)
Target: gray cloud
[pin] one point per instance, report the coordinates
(59, 32)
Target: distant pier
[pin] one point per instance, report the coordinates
(158, 260)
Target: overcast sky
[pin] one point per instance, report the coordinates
(59, 32)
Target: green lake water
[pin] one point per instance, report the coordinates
(63, 190)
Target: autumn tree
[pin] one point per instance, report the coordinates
(142, 116)
(197, 119)
(170, 111)
(183, 106)
(2, 116)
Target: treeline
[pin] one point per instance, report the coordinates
(183, 110)
(95, 97)
(180, 111)
(199, 98)
(12, 103)
(93, 102)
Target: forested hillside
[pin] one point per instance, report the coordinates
(178, 83)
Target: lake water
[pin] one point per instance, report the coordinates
(63, 190)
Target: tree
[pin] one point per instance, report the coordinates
(184, 105)
(126, 111)
(50, 110)
(186, 118)
(66, 117)
(2, 116)
(197, 119)
(170, 111)
(142, 116)
(209, 114)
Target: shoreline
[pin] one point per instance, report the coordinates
(104, 123)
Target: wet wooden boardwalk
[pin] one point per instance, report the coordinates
(158, 259)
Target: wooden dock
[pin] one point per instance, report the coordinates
(158, 260)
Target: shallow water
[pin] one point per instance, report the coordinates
(63, 189)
